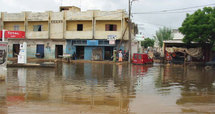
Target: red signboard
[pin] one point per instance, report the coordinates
(13, 34)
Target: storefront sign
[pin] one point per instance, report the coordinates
(111, 37)
(112, 42)
(92, 42)
(13, 34)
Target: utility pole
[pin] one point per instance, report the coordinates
(129, 31)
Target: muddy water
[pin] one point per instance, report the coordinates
(106, 88)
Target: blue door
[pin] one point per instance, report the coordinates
(40, 51)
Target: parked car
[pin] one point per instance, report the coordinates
(141, 58)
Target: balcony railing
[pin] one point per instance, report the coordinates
(78, 34)
(37, 35)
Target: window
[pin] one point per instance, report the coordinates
(80, 27)
(110, 27)
(37, 28)
(16, 27)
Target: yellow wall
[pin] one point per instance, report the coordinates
(44, 25)
(72, 25)
(100, 25)
(10, 26)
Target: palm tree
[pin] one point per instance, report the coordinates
(162, 34)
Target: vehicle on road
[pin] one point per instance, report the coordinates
(141, 58)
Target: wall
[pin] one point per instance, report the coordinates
(87, 15)
(56, 25)
(14, 16)
(70, 49)
(49, 47)
(39, 16)
(72, 25)
(10, 26)
(88, 52)
(100, 32)
(44, 25)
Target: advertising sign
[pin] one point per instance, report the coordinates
(112, 42)
(13, 34)
(92, 42)
(111, 37)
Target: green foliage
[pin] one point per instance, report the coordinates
(163, 34)
(148, 43)
(200, 26)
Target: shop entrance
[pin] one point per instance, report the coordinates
(40, 51)
(58, 51)
(108, 53)
(16, 48)
(80, 52)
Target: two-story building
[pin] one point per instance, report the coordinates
(91, 35)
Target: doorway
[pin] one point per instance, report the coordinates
(40, 51)
(16, 49)
(58, 51)
(108, 53)
(80, 52)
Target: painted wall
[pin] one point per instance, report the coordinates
(44, 25)
(88, 52)
(70, 49)
(72, 25)
(10, 26)
(100, 25)
(49, 47)
(56, 29)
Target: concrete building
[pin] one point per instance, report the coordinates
(91, 34)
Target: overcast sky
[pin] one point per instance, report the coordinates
(148, 23)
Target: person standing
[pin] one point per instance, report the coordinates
(120, 56)
(114, 55)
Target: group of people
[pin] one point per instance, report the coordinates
(121, 55)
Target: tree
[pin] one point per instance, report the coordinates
(163, 34)
(200, 27)
(148, 42)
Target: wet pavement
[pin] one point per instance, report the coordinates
(108, 88)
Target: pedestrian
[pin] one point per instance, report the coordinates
(120, 55)
(114, 55)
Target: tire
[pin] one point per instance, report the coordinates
(208, 67)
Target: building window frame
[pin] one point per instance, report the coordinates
(37, 28)
(110, 27)
(16, 27)
(80, 27)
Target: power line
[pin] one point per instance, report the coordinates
(166, 11)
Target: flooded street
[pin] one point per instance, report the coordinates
(108, 88)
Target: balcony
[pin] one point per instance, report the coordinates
(104, 34)
(78, 34)
(37, 35)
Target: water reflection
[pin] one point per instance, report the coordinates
(106, 88)
(3, 106)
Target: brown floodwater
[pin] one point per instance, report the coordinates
(107, 88)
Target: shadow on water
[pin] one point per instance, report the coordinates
(108, 88)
